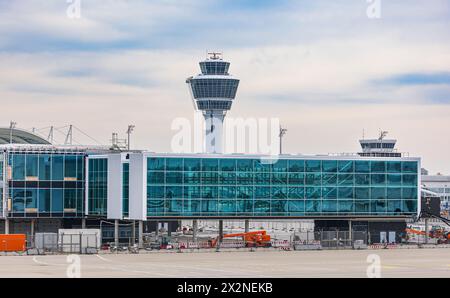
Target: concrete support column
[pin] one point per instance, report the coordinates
(116, 232)
(194, 229)
(32, 232)
(350, 232)
(6, 226)
(133, 233)
(426, 230)
(220, 231)
(247, 226)
(83, 223)
(140, 236)
(157, 229)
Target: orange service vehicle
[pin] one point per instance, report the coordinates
(12, 242)
(440, 234)
(251, 239)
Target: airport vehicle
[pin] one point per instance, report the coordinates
(436, 232)
(251, 239)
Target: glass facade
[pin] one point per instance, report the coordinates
(46, 184)
(214, 88)
(214, 67)
(98, 186)
(125, 189)
(214, 104)
(1, 182)
(290, 187)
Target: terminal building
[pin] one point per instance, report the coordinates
(440, 185)
(44, 187)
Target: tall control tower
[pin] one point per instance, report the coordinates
(213, 92)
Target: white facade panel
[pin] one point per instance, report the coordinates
(3, 185)
(115, 173)
(138, 187)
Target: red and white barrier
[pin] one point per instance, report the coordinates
(232, 244)
(281, 243)
(383, 246)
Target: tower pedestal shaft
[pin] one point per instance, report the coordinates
(213, 131)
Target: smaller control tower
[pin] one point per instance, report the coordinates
(213, 92)
(380, 147)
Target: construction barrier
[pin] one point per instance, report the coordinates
(281, 243)
(232, 244)
(191, 245)
(383, 246)
(13, 242)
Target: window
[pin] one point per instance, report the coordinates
(191, 164)
(31, 167)
(362, 166)
(44, 200)
(313, 165)
(44, 167)
(280, 166)
(174, 164)
(409, 167)
(378, 166)
(57, 167)
(18, 165)
(394, 167)
(296, 166)
(329, 166)
(156, 164)
(346, 166)
(70, 166)
(57, 200)
(362, 193)
(210, 164)
(228, 165)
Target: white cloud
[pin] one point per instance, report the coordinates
(314, 66)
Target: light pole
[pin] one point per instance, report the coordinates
(12, 125)
(129, 131)
(281, 135)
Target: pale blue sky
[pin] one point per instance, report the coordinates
(323, 67)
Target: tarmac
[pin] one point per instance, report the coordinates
(258, 264)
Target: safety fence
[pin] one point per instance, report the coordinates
(45, 243)
(79, 243)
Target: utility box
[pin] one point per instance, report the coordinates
(13, 242)
(79, 240)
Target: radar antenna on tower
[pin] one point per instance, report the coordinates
(383, 134)
(215, 55)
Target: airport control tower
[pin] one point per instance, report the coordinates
(213, 92)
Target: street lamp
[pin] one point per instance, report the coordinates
(12, 125)
(129, 131)
(281, 135)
